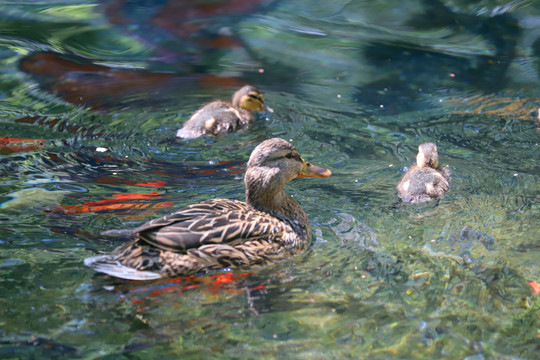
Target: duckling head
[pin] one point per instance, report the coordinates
(249, 98)
(271, 165)
(427, 156)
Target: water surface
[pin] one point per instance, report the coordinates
(94, 93)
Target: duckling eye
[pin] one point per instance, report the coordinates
(289, 156)
(255, 96)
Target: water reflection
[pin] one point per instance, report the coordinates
(356, 85)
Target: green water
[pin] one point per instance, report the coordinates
(356, 86)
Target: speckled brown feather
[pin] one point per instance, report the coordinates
(218, 221)
(214, 234)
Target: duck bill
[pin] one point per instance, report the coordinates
(310, 170)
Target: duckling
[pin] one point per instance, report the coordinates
(425, 181)
(220, 116)
(222, 233)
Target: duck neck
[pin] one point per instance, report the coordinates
(269, 196)
(274, 201)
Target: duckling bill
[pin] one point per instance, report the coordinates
(222, 233)
(221, 116)
(425, 181)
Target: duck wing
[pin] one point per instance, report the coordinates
(218, 221)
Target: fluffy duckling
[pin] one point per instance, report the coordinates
(222, 233)
(425, 181)
(220, 116)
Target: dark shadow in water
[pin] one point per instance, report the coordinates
(80, 81)
(33, 347)
(536, 53)
(416, 69)
(184, 33)
(488, 73)
(188, 40)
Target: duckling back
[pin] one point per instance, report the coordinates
(214, 118)
(423, 184)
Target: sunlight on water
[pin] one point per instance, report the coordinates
(92, 94)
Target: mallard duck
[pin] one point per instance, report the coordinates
(222, 233)
(425, 181)
(220, 116)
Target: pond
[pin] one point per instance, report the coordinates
(91, 97)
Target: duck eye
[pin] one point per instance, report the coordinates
(294, 155)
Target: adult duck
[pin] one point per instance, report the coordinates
(222, 233)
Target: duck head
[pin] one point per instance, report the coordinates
(249, 98)
(271, 165)
(427, 156)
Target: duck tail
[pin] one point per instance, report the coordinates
(122, 233)
(446, 172)
(108, 265)
(188, 134)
